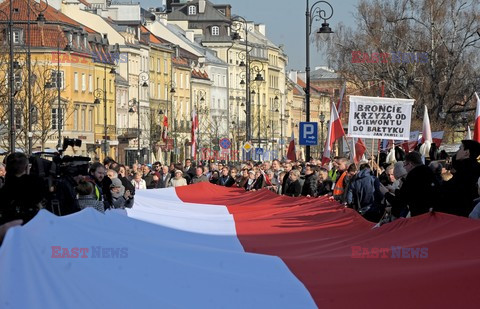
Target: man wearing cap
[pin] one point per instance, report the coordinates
(121, 198)
(459, 192)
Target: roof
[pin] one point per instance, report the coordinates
(324, 74)
(200, 75)
(210, 14)
(179, 61)
(315, 88)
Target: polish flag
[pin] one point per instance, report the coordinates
(410, 145)
(426, 134)
(476, 130)
(165, 128)
(359, 149)
(218, 247)
(335, 131)
(291, 153)
(340, 100)
(437, 137)
(194, 133)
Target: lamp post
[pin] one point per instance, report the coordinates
(239, 23)
(58, 86)
(171, 86)
(98, 93)
(313, 13)
(11, 80)
(200, 99)
(275, 111)
(142, 83)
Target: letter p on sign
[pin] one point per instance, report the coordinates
(308, 133)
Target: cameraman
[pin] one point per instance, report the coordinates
(21, 196)
(102, 192)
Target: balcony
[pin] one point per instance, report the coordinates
(127, 133)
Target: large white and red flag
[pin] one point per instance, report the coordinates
(359, 149)
(437, 137)
(292, 152)
(476, 130)
(426, 134)
(194, 133)
(218, 247)
(335, 131)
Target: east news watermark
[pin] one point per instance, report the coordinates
(90, 57)
(390, 57)
(94, 252)
(394, 252)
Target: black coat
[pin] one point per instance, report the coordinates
(127, 184)
(164, 183)
(459, 192)
(310, 185)
(293, 188)
(419, 191)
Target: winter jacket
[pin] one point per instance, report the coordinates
(310, 185)
(226, 181)
(459, 192)
(361, 191)
(293, 188)
(198, 179)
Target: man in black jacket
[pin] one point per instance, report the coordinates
(420, 190)
(225, 179)
(310, 185)
(459, 192)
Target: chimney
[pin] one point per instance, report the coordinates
(260, 28)
(190, 34)
(293, 76)
(201, 6)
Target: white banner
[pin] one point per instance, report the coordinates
(385, 118)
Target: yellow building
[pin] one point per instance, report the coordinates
(62, 75)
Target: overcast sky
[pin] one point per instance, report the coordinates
(285, 22)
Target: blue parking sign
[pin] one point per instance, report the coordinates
(259, 151)
(308, 133)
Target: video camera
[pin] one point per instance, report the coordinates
(58, 172)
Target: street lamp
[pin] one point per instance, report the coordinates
(99, 93)
(142, 83)
(200, 99)
(58, 85)
(11, 81)
(313, 13)
(239, 23)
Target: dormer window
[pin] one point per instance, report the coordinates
(17, 36)
(215, 30)
(192, 10)
(85, 42)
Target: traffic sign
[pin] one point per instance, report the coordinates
(247, 147)
(259, 151)
(225, 143)
(308, 133)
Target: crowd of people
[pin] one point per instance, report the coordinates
(379, 191)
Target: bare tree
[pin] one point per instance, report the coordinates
(422, 49)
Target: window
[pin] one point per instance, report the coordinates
(75, 81)
(90, 119)
(90, 83)
(110, 85)
(166, 92)
(78, 40)
(18, 118)
(85, 42)
(181, 80)
(192, 10)
(54, 78)
(83, 119)
(158, 65)
(165, 66)
(159, 88)
(17, 36)
(84, 82)
(56, 118)
(215, 30)
(75, 119)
